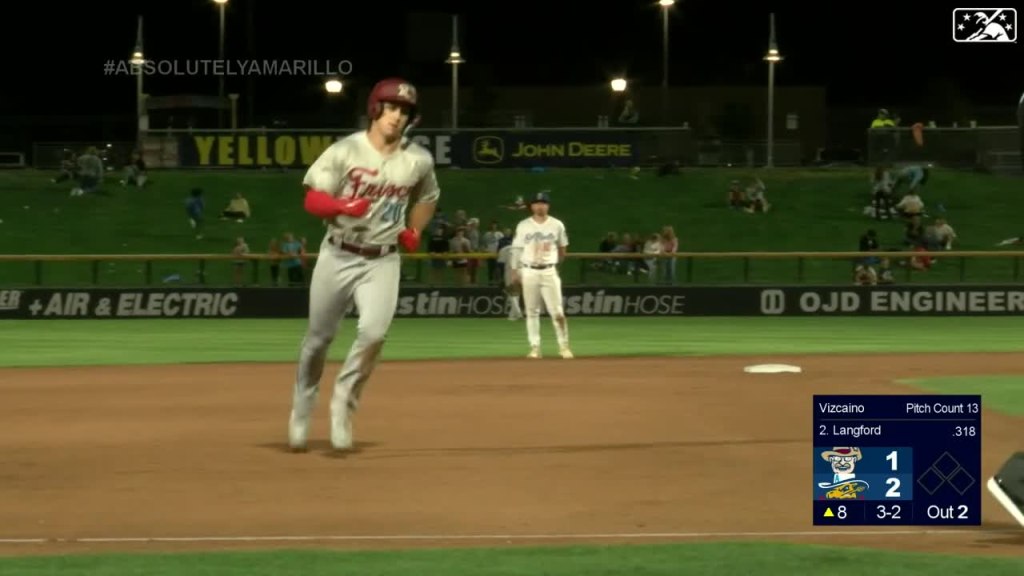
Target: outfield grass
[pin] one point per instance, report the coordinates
(100, 342)
(812, 210)
(690, 559)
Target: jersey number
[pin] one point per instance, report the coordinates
(393, 212)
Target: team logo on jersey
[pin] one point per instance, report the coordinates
(488, 150)
(985, 25)
(364, 182)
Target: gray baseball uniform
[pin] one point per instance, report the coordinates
(341, 278)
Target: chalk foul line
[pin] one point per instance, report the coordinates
(485, 537)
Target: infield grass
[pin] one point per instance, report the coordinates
(1005, 392)
(813, 210)
(640, 560)
(98, 342)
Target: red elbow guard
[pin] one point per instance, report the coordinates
(321, 204)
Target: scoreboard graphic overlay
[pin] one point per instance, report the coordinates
(897, 460)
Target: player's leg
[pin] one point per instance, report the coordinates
(376, 298)
(1007, 486)
(515, 311)
(551, 292)
(329, 293)
(532, 302)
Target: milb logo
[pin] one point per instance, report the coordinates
(985, 25)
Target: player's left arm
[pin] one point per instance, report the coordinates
(563, 244)
(424, 204)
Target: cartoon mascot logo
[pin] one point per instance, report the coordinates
(844, 484)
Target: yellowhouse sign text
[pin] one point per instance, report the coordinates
(279, 150)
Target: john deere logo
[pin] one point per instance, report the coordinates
(488, 150)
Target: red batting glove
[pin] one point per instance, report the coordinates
(355, 207)
(409, 239)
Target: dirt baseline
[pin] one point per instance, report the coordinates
(448, 453)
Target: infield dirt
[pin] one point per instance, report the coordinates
(450, 454)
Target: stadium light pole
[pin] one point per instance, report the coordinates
(772, 57)
(220, 55)
(665, 5)
(455, 58)
(138, 60)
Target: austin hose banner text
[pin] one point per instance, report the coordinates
(492, 149)
(479, 302)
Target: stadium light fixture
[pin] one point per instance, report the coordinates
(619, 85)
(454, 59)
(333, 86)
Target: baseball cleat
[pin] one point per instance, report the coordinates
(341, 431)
(566, 353)
(534, 353)
(298, 428)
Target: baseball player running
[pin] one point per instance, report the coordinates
(539, 246)
(362, 186)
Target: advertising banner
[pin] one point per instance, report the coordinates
(525, 148)
(497, 149)
(488, 302)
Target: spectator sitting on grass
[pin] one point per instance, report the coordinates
(737, 198)
(756, 200)
(865, 275)
(135, 172)
(237, 210)
(90, 172)
(68, 167)
(913, 233)
(910, 205)
(946, 234)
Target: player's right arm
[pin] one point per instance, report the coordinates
(325, 178)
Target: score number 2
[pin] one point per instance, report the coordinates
(893, 483)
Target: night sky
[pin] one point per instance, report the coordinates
(866, 53)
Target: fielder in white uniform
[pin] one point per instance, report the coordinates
(363, 186)
(538, 248)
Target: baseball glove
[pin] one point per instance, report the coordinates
(514, 288)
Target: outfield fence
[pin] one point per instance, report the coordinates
(602, 269)
(992, 148)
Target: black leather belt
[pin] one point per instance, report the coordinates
(539, 266)
(375, 251)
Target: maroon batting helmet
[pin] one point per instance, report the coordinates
(397, 91)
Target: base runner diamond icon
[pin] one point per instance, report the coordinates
(985, 25)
